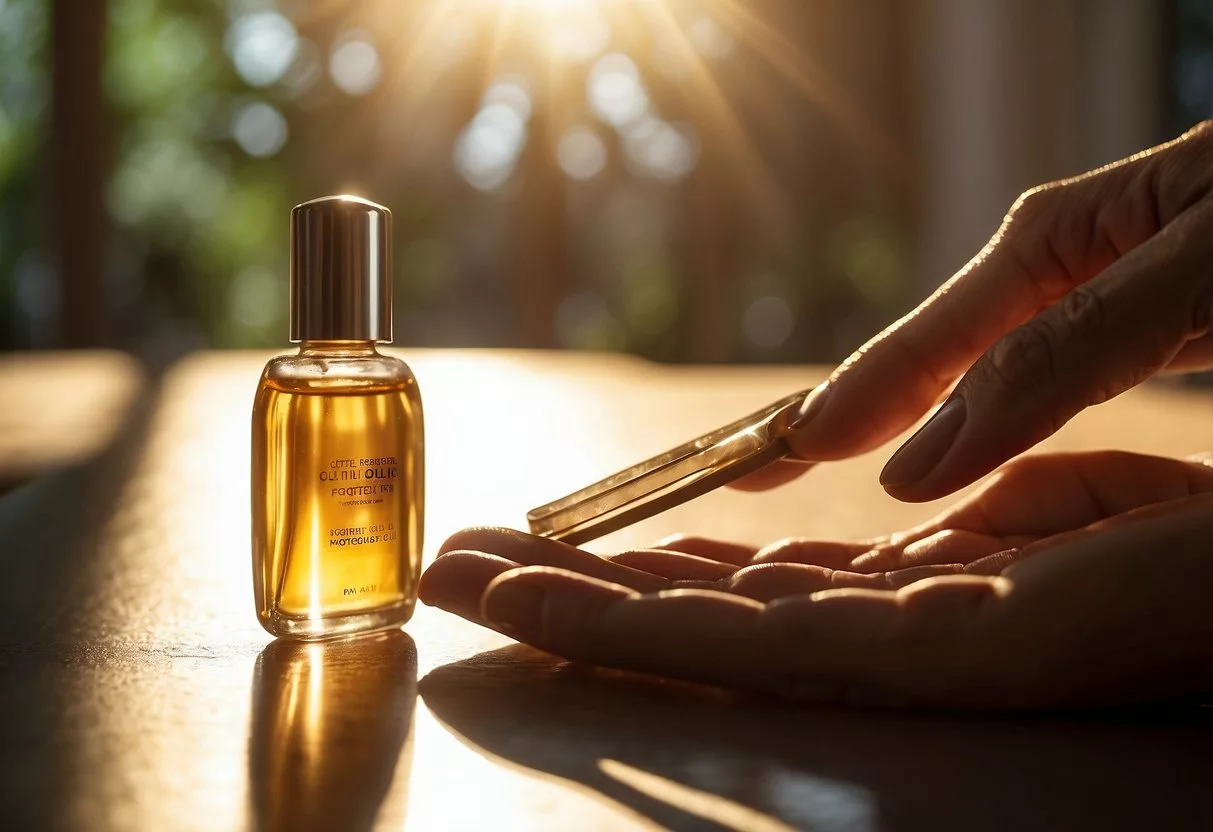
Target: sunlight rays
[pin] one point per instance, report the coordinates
(756, 179)
(451, 52)
(798, 67)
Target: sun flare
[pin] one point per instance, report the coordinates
(547, 7)
(653, 87)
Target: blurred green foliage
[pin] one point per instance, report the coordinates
(24, 289)
(184, 196)
(213, 141)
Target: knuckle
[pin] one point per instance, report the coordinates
(1201, 131)
(1181, 173)
(1032, 204)
(1024, 469)
(1024, 359)
(1084, 311)
(1023, 475)
(1027, 235)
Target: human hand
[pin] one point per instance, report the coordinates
(1090, 286)
(1091, 591)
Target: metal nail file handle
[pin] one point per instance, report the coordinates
(671, 478)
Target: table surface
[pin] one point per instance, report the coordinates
(138, 692)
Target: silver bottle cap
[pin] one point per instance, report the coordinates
(341, 270)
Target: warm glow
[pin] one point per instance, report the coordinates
(589, 87)
(823, 803)
(714, 809)
(554, 5)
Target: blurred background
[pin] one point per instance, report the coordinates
(688, 180)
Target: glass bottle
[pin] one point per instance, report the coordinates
(338, 443)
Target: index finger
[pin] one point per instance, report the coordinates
(1054, 238)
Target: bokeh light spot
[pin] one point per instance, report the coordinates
(710, 38)
(616, 92)
(579, 32)
(768, 322)
(487, 149)
(510, 91)
(262, 46)
(580, 152)
(259, 129)
(354, 65)
(659, 149)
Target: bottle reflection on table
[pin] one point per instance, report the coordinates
(330, 722)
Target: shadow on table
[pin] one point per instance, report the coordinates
(49, 529)
(694, 758)
(330, 721)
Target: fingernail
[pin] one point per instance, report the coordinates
(516, 609)
(915, 459)
(811, 406)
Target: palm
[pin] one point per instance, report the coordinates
(859, 616)
(1029, 501)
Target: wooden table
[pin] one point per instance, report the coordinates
(138, 692)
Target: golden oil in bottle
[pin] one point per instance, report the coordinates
(338, 441)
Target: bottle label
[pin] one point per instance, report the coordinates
(364, 481)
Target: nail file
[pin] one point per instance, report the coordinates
(671, 478)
